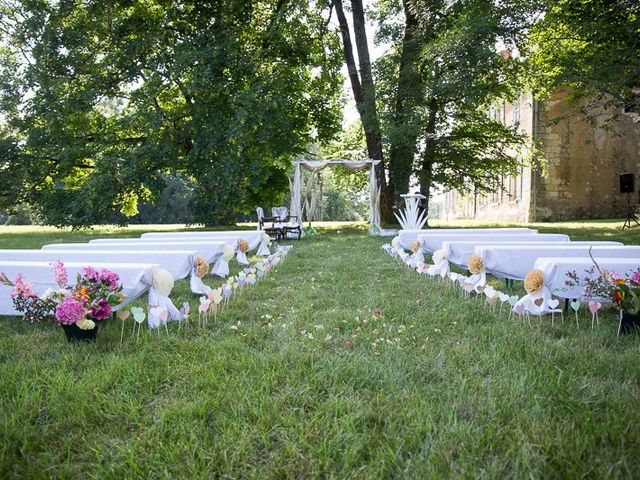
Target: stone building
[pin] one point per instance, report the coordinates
(579, 177)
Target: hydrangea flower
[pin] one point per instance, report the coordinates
(69, 311)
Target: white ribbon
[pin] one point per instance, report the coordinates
(156, 299)
(197, 285)
(241, 257)
(529, 302)
(221, 267)
(263, 251)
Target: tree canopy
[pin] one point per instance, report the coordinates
(100, 99)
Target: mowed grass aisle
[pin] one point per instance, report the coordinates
(342, 364)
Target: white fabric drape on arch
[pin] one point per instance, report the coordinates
(353, 165)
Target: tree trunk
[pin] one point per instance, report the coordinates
(425, 174)
(408, 94)
(364, 94)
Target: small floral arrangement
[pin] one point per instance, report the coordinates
(623, 292)
(415, 246)
(91, 299)
(243, 245)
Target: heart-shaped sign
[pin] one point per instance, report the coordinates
(492, 301)
(204, 306)
(513, 300)
(468, 287)
(490, 292)
(138, 314)
(164, 315)
(538, 301)
(575, 305)
(594, 306)
(519, 309)
(481, 288)
(216, 297)
(260, 273)
(227, 292)
(123, 314)
(503, 297)
(553, 303)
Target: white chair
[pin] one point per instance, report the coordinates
(280, 212)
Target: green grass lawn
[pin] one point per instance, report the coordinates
(362, 370)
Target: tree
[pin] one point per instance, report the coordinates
(102, 99)
(593, 47)
(364, 93)
(435, 87)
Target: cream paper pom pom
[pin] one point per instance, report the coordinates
(534, 281)
(439, 256)
(227, 252)
(163, 282)
(476, 265)
(243, 245)
(202, 267)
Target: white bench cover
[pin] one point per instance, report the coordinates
(555, 271)
(407, 236)
(515, 261)
(433, 242)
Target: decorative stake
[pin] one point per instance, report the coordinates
(575, 305)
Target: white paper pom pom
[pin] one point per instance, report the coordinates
(162, 282)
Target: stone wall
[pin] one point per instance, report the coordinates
(583, 162)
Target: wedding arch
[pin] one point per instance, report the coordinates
(353, 165)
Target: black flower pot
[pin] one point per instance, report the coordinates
(629, 322)
(76, 334)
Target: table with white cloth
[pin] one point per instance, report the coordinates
(434, 241)
(408, 236)
(555, 271)
(253, 237)
(515, 261)
(179, 263)
(209, 250)
(136, 278)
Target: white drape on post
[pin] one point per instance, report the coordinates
(353, 165)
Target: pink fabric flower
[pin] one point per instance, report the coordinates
(636, 278)
(69, 311)
(60, 273)
(101, 311)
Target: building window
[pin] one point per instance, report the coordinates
(516, 112)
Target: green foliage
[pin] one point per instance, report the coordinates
(102, 99)
(341, 199)
(22, 215)
(591, 46)
(437, 84)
